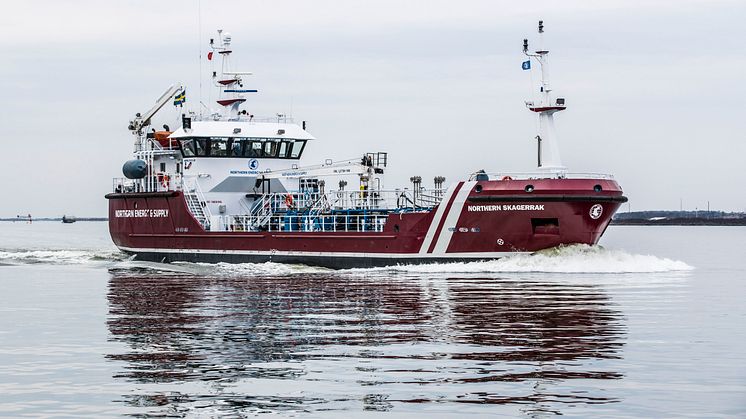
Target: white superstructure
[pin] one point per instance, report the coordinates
(548, 154)
(236, 169)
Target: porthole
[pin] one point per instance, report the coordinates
(529, 188)
(478, 188)
(597, 188)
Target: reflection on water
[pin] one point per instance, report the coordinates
(334, 341)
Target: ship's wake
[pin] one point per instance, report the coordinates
(572, 259)
(60, 256)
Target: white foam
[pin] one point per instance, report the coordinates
(573, 259)
(222, 270)
(58, 256)
(156, 267)
(258, 269)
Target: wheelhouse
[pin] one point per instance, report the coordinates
(242, 147)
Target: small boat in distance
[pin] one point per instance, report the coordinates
(227, 186)
(69, 219)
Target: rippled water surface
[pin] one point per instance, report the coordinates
(652, 324)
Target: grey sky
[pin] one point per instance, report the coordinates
(654, 88)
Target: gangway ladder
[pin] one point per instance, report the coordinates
(321, 205)
(262, 210)
(196, 208)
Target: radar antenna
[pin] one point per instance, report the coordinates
(228, 82)
(547, 144)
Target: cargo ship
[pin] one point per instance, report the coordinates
(230, 187)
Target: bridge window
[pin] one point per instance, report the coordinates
(253, 149)
(268, 148)
(296, 149)
(200, 147)
(219, 147)
(235, 147)
(187, 147)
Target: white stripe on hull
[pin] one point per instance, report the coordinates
(452, 218)
(436, 220)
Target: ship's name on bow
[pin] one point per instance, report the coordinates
(143, 213)
(506, 207)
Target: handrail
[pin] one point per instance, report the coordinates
(307, 201)
(191, 185)
(540, 175)
(307, 223)
(364, 210)
(241, 118)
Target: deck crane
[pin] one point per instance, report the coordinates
(143, 120)
(342, 168)
(354, 167)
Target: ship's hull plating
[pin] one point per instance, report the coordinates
(475, 221)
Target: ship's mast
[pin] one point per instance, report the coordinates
(229, 82)
(548, 154)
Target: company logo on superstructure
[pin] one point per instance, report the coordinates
(479, 208)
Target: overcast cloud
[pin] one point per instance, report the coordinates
(654, 88)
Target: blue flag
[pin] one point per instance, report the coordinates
(180, 98)
(526, 65)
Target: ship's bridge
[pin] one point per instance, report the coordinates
(242, 139)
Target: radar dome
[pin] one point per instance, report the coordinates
(135, 169)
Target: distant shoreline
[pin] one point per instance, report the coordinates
(680, 218)
(682, 222)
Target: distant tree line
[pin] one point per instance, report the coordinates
(680, 218)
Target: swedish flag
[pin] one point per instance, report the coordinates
(180, 98)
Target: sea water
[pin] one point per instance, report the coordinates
(652, 323)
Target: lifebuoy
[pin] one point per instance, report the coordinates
(289, 200)
(163, 178)
(506, 178)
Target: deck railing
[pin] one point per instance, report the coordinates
(306, 223)
(540, 175)
(161, 182)
(308, 210)
(306, 200)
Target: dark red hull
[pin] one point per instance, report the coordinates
(476, 221)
